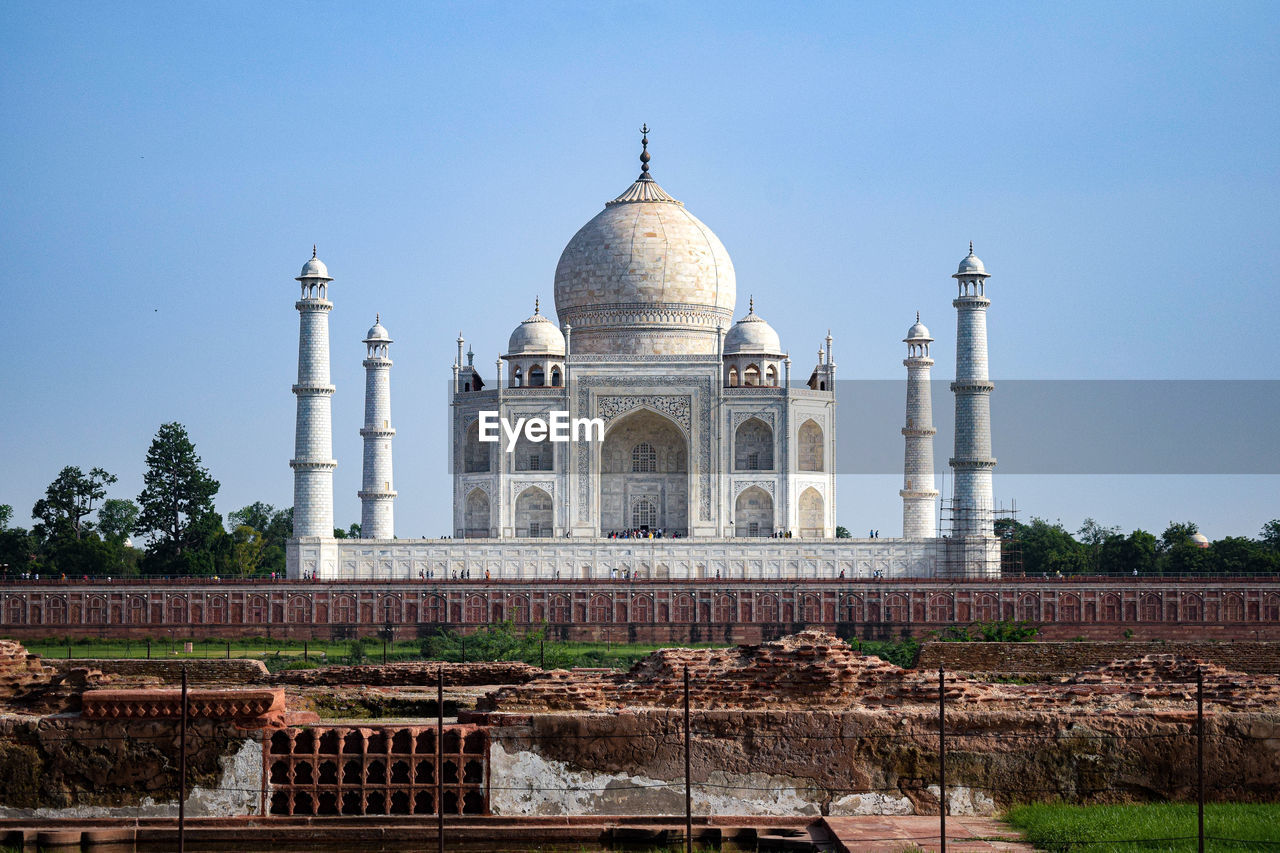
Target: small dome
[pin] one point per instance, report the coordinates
(536, 336)
(377, 333)
(752, 334)
(918, 332)
(1199, 540)
(971, 264)
(314, 268)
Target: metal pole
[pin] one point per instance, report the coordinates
(228, 650)
(542, 654)
(182, 768)
(1200, 760)
(148, 648)
(688, 794)
(942, 759)
(305, 654)
(440, 755)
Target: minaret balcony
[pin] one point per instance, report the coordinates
(973, 464)
(326, 390)
(973, 386)
(313, 464)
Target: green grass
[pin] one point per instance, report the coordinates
(287, 654)
(1147, 827)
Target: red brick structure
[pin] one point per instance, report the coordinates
(659, 611)
(377, 770)
(249, 709)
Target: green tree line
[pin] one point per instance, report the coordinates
(1052, 550)
(80, 531)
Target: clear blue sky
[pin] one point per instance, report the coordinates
(166, 167)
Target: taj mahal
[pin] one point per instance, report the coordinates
(703, 455)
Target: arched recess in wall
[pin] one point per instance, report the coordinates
(753, 513)
(535, 513)
(476, 453)
(476, 521)
(753, 446)
(811, 455)
(811, 514)
(644, 456)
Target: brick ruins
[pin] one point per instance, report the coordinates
(800, 725)
(814, 670)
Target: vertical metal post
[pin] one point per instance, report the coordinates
(440, 756)
(1200, 760)
(228, 650)
(148, 648)
(305, 651)
(688, 788)
(542, 654)
(942, 759)
(182, 768)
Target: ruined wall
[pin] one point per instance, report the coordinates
(221, 671)
(805, 724)
(1050, 658)
(71, 766)
(412, 674)
(865, 761)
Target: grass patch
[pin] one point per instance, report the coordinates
(1147, 827)
(499, 642)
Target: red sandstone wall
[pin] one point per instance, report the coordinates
(643, 611)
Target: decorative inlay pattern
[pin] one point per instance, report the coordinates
(677, 408)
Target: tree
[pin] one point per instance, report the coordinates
(842, 532)
(1049, 549)
(1092, 535)
(1121, 555)
(247, 545)
(1177, 533)
(1271, 534)
(68, 501)
(275, 526)
(6, 515)
(117, 518)
(177, 499)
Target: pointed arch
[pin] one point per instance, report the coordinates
(535, 513)
(753, 513)
(812, 514)
(476, 521)
(476, 455)
(811, 447)
(753, 446)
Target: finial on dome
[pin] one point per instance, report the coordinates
(377, 318)
(536, 306)
(313, 251)
(751, 304)
(971, 247)
(644, 152)
(917, 316)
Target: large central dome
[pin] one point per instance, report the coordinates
(645, 277)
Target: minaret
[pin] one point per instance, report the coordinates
(972, 463)
(313, 461)
(918, 493)
(377, 497)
